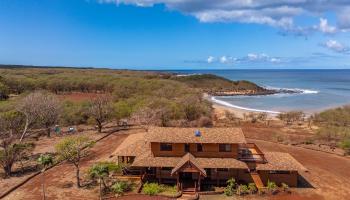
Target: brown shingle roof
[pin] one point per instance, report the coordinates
(188, 158)
(280, 161)
(221, 163)
(133, 145)
(148, 160)
(187, 135)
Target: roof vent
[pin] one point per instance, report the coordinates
(197, 133)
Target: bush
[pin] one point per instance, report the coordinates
(205, 122)
(231, 187)
(285, 187)
(242, 190)
(151, 188)
(271, 187)
(252, 188)
(345, 144)
(120, 187)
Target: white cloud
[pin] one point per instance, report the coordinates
(250, 58)
(336, 46)
(210, 59)
(223, 59)
(276, 13)
(325, 27)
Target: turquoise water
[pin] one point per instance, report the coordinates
(321, 89)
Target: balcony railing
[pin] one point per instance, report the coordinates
(250, 153)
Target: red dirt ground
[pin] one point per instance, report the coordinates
(60, 181)
(328, 174)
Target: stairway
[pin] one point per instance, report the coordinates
(189, 196)
(257, 180)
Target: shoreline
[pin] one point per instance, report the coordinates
(222, 106)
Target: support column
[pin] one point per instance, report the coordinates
(178, 181)
(217, 177)
(199, 181)
(160, 175)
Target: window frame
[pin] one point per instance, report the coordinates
(223, 148)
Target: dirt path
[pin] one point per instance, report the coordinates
(60, 180)
(328, 174)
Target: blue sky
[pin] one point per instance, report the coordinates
(176, 34)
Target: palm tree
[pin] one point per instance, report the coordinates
(99, 171)
(45, 161)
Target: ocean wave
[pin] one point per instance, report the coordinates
(296, 90)
(224, 103)
(193, 74)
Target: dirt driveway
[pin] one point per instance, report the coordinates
(60, 181)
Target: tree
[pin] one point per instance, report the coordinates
(290, 117)
(100, 110)
(41, 108)
(101, 171)
(11, 152)
(11, 123)
(49, 112)
(29, 106)
(73, 149)
(45, 161)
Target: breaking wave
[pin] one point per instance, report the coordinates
(224, 103)
(294, 90)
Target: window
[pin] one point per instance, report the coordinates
(166, 147)
(225, 147)
(187, 148)
(199, 147)
(222, 170)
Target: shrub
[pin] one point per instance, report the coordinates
(205, 122)
(120, 187)
(151, 188)
(231, 187)
(285, 187)
(271, 186)
(345, 144)
(242, 190)
(252, 188)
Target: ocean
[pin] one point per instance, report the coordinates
(320, 89)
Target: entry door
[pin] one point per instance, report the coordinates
(186, 176)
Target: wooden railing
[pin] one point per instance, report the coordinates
(251, 153)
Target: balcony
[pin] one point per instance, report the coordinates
(250, 153)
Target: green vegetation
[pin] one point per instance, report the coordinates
(45, 160)
(334, 126)
(231, 187)
(152, 188)
(12, 152)
(145, 97)
(212, 83)
(271, 187)
(291, 117)
(73, 149)
(120, 187)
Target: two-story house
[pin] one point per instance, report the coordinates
(193, 157)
